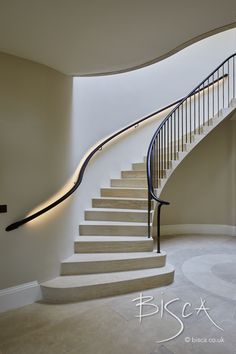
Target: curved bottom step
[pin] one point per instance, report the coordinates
(73, 288)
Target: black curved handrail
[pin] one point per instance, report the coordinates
(135, 124)
(164, 144)
(77, 183)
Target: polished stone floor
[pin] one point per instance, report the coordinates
(204, 291)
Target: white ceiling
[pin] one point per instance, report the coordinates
(100, 36)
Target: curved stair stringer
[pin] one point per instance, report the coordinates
(181, 155)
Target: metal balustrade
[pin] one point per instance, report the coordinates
(182, 124)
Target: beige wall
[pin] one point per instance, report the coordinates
(35, 161)
(202, 189)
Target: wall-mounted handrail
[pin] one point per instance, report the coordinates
(79, 179)
(186, 119)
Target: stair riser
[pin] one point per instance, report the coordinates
(120, 204)
(142, 166)
(129, 182)
(179, 148)
(168, 156)
(139, 166)
(166, 165)
(65, 295)
(126, 193)
(133, 174)
(112, 266)
(111, 247)
(163, 174)
(116, 216)
(112, 230)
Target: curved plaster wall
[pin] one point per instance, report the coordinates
(202, 189)
(35, 160)
(88, 37)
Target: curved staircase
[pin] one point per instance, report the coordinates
(113, 254)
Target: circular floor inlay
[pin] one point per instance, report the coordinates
(207, 271)
(225, 271)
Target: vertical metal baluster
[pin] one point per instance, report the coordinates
(164, 144)
(171, 137)
(199, 111)
(158, 156)
(178, 128)
(165, 131)
(186, 121)
(168, 143)
(190, 121)
(223, 95)
(152, 169)
(162, 149)
(234, 77)
(194, 115)
(156, 160)
(182, 125)
(158, 227)
(175, 133)
(228, 84)
(213, 96)
(149, 195)
(154, 163)
(155, 185)
(218, 92)
(208, 102)
(159, 153)
(203, 103)
(149, 214)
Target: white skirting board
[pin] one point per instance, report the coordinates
(20, 295)
(206, 229)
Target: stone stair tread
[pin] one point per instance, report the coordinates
(95, 257)
(126, 188)
(122, 198)
(130, 179)
(121, 203)
(132, 172)
(112, 223)
(113, 210)
(89, 238)
(79, 281)
(128, 182)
